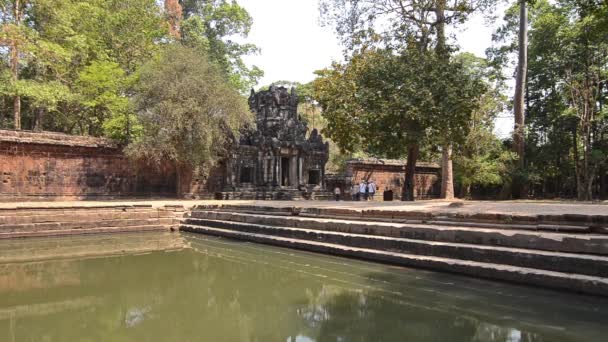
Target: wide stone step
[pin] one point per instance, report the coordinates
(59, 225)
(554, 261)
(78, 216)
(34, 208)
(557, 242)
(554, 222)
(96, 230)
(551, 279)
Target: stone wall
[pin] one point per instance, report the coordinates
(389, 175)
(45, 165)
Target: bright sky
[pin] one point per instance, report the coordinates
(293, 44)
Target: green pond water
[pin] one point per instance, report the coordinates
(181, 287)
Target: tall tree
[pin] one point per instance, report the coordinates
(210, 25)
(585, 71)
(396, 23)
(481, 161)
(520, 88)
(520, 82)
(565, 126)
(190, 114)
(11, 18)
(381, 101)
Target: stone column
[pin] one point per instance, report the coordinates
(264, 170)
(277, 169)
(229, 173)
(233, 171)
(300, 165)
(237, 181)
(259, 171)
(322, 180)
(293, 171)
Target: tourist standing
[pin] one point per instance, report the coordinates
(372, 189)
(362, 191)
(337, 193)
(354, 192)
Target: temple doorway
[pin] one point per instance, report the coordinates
(246, 175)
(285, 181)
(314, 177)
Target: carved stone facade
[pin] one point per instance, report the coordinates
(277, 156)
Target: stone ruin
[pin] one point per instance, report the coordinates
(276, 160)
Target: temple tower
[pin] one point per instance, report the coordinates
(276, 156)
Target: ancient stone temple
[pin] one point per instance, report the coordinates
(276, 159)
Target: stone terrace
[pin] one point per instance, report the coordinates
(555, 245)
(430, 206)
(549, 244)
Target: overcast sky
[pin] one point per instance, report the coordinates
(293, 44)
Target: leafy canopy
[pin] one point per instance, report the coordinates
(190, 114)
(382, 100)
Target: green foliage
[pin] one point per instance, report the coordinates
(381, 101)
(100, 88)
(79, 59)
(189, 113)
(210, 25)
(391, 23)
(480, 159)
(46, 95)
(567, 134)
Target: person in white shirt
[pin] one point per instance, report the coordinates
(372, 189)
(362, 191)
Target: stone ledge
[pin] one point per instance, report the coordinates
(53, 138)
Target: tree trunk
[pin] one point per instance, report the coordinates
(602, 179)
(174, 16)
(38, 119)
(14, 62)
(447, 174)
(585, 172)
(17, 111)
(15, 78)
(441, 47)
(577, 168)
(583, 189)
(407, 193)
(520, 86)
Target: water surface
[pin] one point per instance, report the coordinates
(181, 287)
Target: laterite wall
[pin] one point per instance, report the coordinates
(44, 165)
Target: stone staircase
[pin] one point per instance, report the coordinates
(71, 220)
(280, 194)
(570, 254)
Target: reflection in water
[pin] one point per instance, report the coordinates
(196, 288)
(136, 316)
